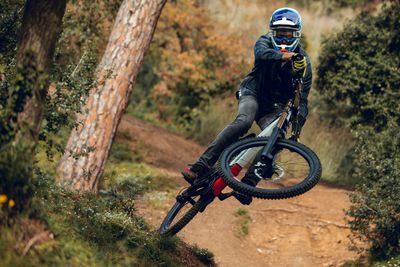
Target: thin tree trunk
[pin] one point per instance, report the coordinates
(39, 33)
(129, 40)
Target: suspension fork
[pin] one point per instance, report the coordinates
(266, 155)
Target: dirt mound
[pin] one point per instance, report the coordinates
(159, 147)
(308, 230)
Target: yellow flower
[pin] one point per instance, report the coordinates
(11, 203)
(3, 198)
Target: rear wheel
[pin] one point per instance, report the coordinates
(181, 214)
(296, 169)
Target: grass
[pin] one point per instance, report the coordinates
(242, 221)
(333, 145)
(204, 255)
(157, 199)
(142, 175)
(220, 112)
(87, 231)
(64, 228)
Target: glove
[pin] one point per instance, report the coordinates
(299, 64)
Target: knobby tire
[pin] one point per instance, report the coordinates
(170, 227)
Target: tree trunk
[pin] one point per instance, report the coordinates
(82, 165)
(39, 33)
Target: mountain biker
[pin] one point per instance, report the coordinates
(264, 91)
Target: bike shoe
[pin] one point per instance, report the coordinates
(189, 175)
(242, 198)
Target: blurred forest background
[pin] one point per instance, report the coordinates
(199, 53)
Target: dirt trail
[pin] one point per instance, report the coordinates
(308, 230)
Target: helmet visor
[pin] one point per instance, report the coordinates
(287, 14)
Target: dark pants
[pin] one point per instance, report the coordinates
(248, 111)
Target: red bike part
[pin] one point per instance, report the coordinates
(219, 185)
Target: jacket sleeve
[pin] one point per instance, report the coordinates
(307, 81)
(263, 50)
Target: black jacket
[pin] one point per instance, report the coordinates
(270, 79)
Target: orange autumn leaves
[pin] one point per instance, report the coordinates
(196, 63)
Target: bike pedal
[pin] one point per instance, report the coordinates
(223, 196)
(209, 200)
(242, 198)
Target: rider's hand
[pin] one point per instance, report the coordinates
(287, 56)
(299, 64)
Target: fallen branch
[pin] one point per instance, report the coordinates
(33, 240)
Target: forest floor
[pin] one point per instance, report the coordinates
(309, 230)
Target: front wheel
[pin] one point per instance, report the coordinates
(295, 167)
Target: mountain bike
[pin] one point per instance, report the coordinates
(283, 168)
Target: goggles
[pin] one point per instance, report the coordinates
(287, 35)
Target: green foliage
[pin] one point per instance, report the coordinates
(359, 73)
(392, 262)
(122, 152)
(90, 230)
(86, 26)
(376, 209)
(143, 177)
(243, 220)
(18, 87)
(16, 154)
(10, 22)
(72, 78)
(359, 77)
(204, 255)
(16, 172)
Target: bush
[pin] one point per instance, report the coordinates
(359, 77)
(376, 209)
